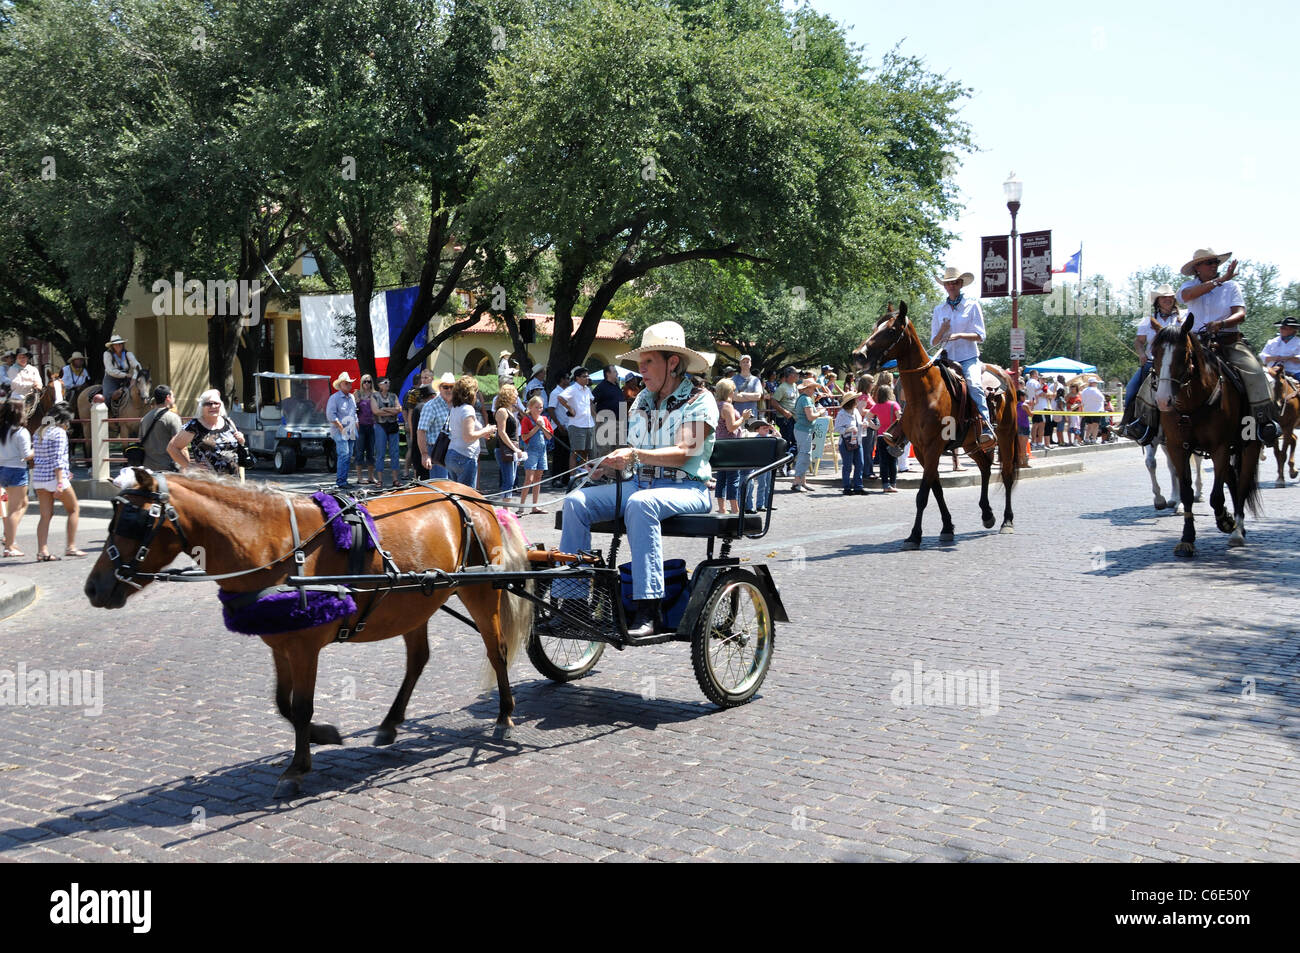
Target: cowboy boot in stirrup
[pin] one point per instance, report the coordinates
(1265, 422)
(988, 439)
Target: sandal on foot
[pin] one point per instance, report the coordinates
(47, 558)
(74, 553)
(10, 552)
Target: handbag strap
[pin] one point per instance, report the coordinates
(157, 417)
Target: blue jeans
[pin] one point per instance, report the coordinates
(365, 448)
(645, 506)
(728, 483)
(888, 464)
(803, 440)
(508, 470)
(388, 442)
(461, 468)
(851, 464)
(1135, 382)
(973, 368)
(343, 449)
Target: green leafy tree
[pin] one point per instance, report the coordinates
(634, 136)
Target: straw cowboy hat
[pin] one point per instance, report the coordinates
(808, 383)
(849, 398)
(1204, 254)
(952, 274)
(506, 352)
(115, 339)
(343, 378)
(669, 336)
(76, 356)
(1160, 291)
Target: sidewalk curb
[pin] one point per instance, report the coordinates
(16, 593)
(1052, 463)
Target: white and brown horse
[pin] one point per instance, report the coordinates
(131, 400)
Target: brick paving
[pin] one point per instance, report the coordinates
(1146, 709)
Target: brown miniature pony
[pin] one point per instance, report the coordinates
(130, 400)
(930, 424)
(245, 534)
(1287, 397)
(1200, 411)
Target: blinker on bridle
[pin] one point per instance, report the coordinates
(136, 523)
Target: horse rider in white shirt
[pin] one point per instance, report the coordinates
(958, 323)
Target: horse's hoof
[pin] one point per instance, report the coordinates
(502, 732)
(1280, 485)
(1238, 538)
(386, 735)
(988, 521)
(911, 544)
(1225, 523)
(1198, 498)
(1177, 508)
(947, 536)
(1006, 530)
(325, 735)
(1185, 549)
(287, 789)
(1160, 503)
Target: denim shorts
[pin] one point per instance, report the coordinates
(536, 459)
(13, 476)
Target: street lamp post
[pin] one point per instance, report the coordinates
(1012, 189)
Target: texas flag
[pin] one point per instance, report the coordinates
(329, 327)
(1071, 266)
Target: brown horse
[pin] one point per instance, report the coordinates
(930, 423)
(41, 402)
(1287, 397)
(1200, 411)
(131, 400)
(245, 534)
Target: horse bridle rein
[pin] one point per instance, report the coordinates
(134, 522)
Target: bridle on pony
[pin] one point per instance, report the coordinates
(134, 522)
(899, 335)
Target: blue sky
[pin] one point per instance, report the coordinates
(1143, 130)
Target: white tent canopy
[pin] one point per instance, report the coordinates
(1062, 365)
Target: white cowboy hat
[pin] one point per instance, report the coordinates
(952, 274)
(76, 356)
(1160, 291)
(447, 378)
(506, 352)
(343, 378)
(1204, 254)
(115, 339)
(669, 336)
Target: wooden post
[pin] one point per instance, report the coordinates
(99, 442)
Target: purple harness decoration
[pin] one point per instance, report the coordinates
(289, 608)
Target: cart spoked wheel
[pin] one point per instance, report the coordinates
(286, 461)
(563, 660)
(731, 645)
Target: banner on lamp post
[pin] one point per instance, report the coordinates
(995, 271)
(1036, 263)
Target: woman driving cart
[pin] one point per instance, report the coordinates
(670, 435)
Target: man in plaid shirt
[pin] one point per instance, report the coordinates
(433, 418)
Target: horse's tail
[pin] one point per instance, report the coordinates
(1249, 491)
(516, 611)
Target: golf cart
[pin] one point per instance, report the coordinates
(293, 430)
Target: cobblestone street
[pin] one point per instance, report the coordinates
(1131, 707)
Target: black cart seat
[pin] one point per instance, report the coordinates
(761, 455)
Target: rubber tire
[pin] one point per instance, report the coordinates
(331, 459)
(558, 672)
(286, 460)
(719, 694)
